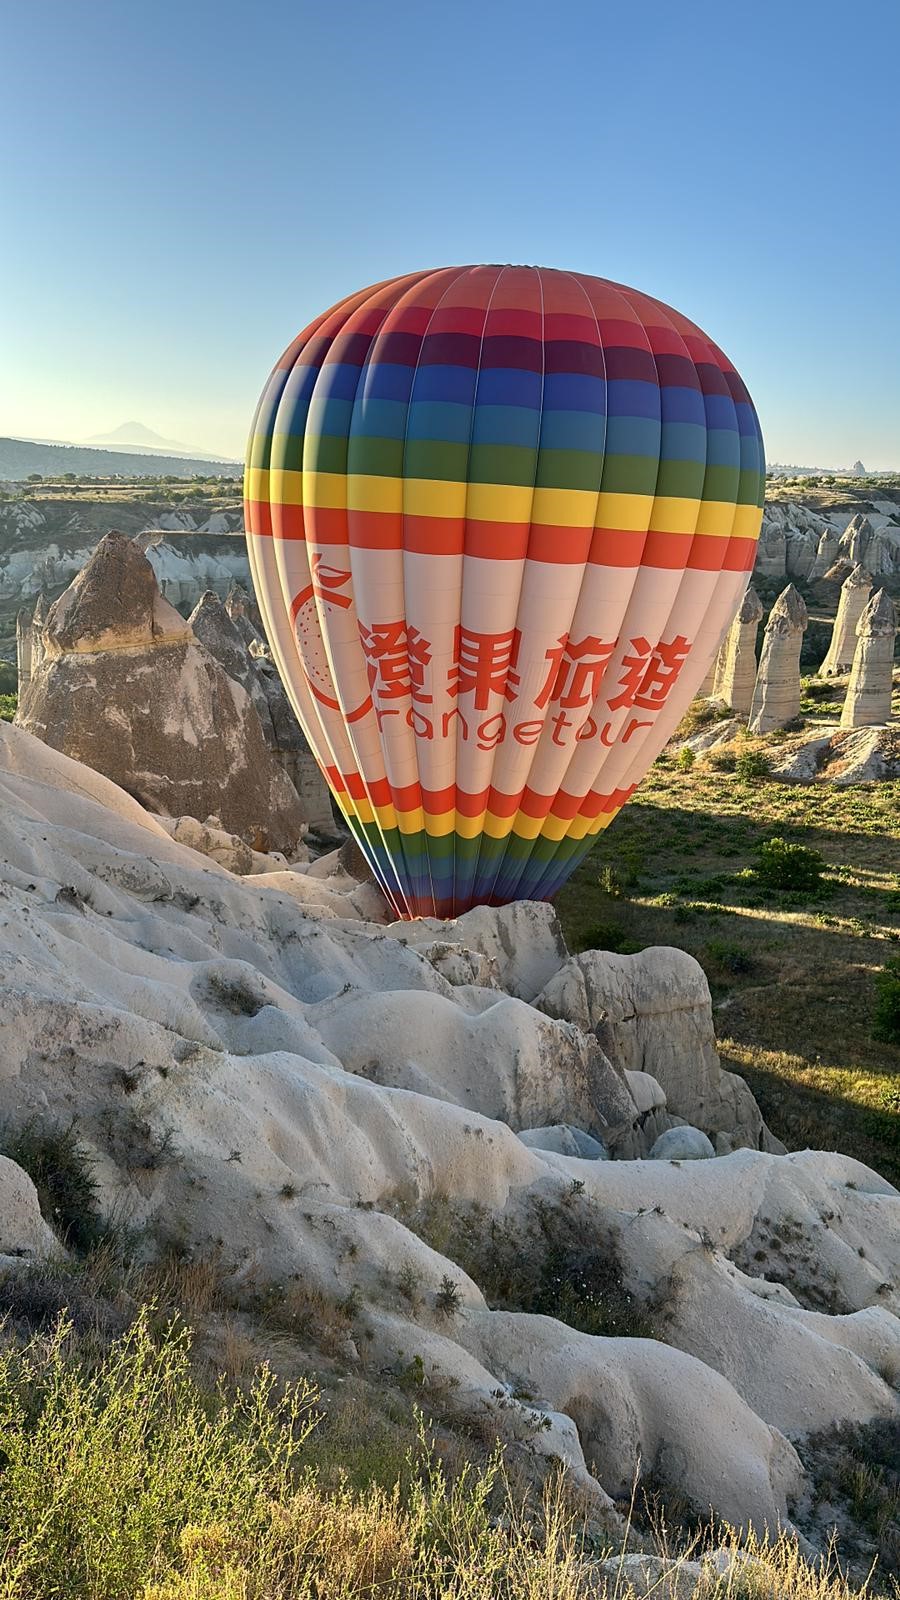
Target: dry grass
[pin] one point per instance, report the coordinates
(123, 1480)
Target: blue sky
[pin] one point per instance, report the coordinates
(185, 185)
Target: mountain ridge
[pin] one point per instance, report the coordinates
(21, 457)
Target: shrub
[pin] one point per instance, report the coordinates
(722, 760)
(106, 1468)
(790, 867)
(8, 704)
(686, 759)
(62, 1172)
(732, 957)
(752, 764)
(607, 936)
(886, 1027)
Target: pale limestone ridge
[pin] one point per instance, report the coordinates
(161, 992)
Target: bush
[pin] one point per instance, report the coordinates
(790, 867)
(8, 704)
(607, 936)
(722, 760)
(752, 764)
(686, 759)
(886, 1027)
(62, 1172)
(106, 1469)
(732, 957)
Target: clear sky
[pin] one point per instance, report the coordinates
(184, 184)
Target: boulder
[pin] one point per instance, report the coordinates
(125, 686)
(24, 1235)
(524, 941)
(652, 1013)
(506, 1061)
(683, 1143)
(565, 1141)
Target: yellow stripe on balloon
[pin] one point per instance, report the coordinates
(503, 502)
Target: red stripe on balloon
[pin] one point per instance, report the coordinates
(504, 541)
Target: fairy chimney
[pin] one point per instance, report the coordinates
(855, 592)
(776, 695)
(736, 672)
(868, 699)
(125, 686)
(826, 554)
(856, 538)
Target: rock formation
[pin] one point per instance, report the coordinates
(736, 670)
(855, 592)
(219, 1043)
(856, 539)
(828, 589)
(776, 695)
(24, 647)
(846, 758)
(125, 686)
(868, 700)
(799, 541)
(244, 613)
(826, 554)
(230, 636)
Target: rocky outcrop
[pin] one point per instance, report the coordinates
(868, 699)
(846, 758)
(736, 668)
(45, 543)
(801, 543)
(652, 1013)
(828, 589)
(24, 1235)
(126, 687)
(776, 695)
(229, 635)
(856, 539)
(826, 554)
(855, 592)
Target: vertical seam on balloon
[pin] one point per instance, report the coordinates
(458, 272)
(664, 311)
(527, 855)
(462, 590)
(488, 888)
(539, 888)
(405, 856)
(359, 830)
(351, 733)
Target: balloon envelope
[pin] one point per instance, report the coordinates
(498, 520)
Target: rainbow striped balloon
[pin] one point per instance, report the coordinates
(499, 518)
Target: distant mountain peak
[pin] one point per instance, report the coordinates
(135, 433)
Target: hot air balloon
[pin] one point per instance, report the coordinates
(499, 519)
